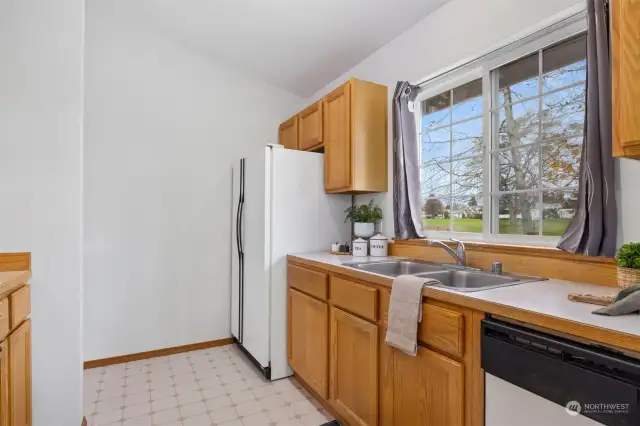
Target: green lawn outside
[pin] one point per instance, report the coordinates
(552, 227)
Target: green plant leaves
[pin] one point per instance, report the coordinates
(628, 256)
(367, 213)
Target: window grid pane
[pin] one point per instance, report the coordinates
(540, 125)
(496, 107)
(451, 179)
(539, 202)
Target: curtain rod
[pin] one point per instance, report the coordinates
(574, 15)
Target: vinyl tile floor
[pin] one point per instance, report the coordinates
(209, 387)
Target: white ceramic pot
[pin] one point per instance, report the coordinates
(379, 246)
(359, 248)
(364, 229)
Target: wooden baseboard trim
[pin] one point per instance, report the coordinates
(156, 353)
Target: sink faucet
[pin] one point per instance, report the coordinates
(460, 255)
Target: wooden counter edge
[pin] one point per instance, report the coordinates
(14, 280)
(15, 261)
(585, 331)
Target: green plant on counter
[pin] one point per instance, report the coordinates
(364, 213)
(628, 256)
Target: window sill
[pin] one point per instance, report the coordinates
(522, 250)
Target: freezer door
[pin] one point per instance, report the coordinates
(304, 219)
(255, 240)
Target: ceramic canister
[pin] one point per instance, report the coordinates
(379, 246)
(359, 248)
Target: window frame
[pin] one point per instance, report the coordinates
(560, 29)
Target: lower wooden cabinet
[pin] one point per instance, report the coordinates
(353, 366)
(20, 375)
(4, 383)
(336, 346)
(428, 389)
(308, 340)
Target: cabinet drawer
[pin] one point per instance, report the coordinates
(4, 318)
(356, 298)
(308, 281)
(20, 305)
(442, 328)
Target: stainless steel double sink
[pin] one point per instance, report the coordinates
(460, 278)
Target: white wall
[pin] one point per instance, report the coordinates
(627, 178)
(457, 31)
(41, 45)
(163, 127)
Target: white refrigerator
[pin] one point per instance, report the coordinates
(279, 208)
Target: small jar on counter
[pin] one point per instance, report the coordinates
(379, 246)
(359, 248)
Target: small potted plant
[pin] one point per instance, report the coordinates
(364, 218)
(628, 263)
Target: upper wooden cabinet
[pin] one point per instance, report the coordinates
(308, 340)
(353, 366)
(626, 77)
(355, 138)
(337, 155)
(429, 390)
(310, 128)
(350, 125)
(288, 133)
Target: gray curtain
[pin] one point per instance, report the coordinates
(593, 229)
(406, 167)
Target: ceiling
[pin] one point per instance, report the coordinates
(299, 45)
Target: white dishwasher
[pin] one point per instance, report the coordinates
(537, 379)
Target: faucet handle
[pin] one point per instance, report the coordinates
(460, 249)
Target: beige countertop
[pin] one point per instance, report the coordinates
(547, 298)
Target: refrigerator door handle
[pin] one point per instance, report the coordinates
(241, 207)
(240, 263)
(241, 253)
(238, 248)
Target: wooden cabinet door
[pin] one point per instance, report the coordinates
(626, 77)
(20, 375)
(310, 127)
(353, 382)
(309, 340)
(4, 384)
(337, 139)
(288, 133)
(428, 390)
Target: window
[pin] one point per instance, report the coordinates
(452, 163)
(500, 148)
